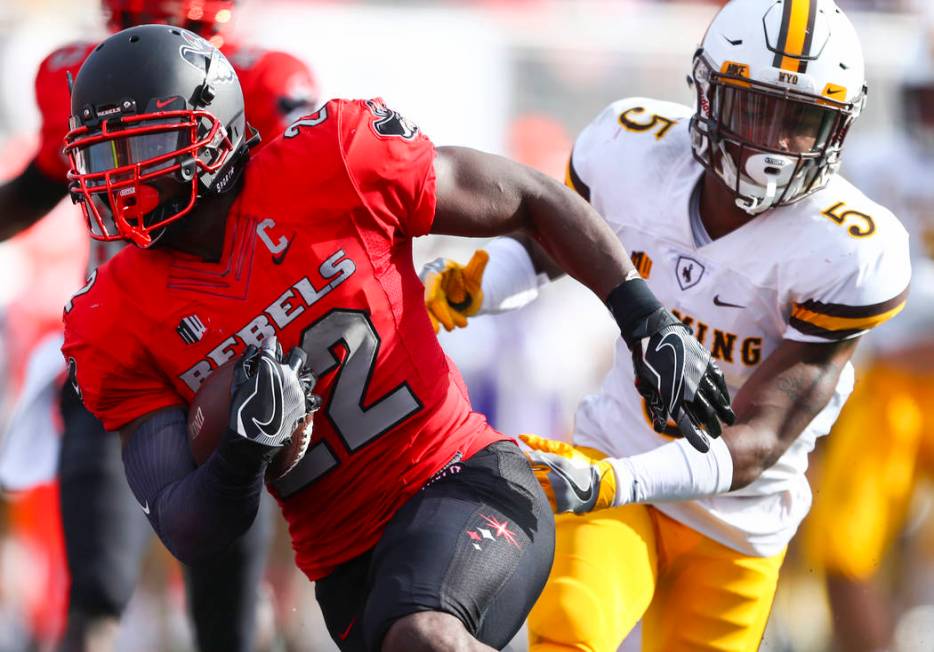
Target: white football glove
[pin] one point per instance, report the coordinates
(270, 397)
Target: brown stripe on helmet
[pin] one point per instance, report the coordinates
(808, 37)
(782, 34)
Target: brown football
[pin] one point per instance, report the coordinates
(209, 419)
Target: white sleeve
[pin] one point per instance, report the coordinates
(847, 295)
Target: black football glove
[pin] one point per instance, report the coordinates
(677, 378)
(270, 397)
(674, 373)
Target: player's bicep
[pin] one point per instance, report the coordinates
(476, 193)
(484, 195)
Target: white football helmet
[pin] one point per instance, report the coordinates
(779, 82)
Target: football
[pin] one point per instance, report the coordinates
(209, 418)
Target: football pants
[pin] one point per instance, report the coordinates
(882, 443)
(621, 565)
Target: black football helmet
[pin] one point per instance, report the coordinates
(157, 122)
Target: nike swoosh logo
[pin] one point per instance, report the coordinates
(145, 508)
(278, 258)
(834, 91)
(346, 633)
(724, 304)
(161, 104)
(271, 426)
(674, 342)
(583, 494)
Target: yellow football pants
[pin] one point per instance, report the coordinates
(617, 566)
(882, 442)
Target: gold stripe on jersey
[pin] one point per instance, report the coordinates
(573, 181)
(794, 38)
(838, 321)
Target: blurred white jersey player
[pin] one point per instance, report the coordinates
(739, 222)
(867, 482)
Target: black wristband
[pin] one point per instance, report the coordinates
(242, 456)
(631, 302)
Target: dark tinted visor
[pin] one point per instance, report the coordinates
(774, 123)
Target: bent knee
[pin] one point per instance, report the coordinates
(98, 595)
(572, 615)
(429, 631)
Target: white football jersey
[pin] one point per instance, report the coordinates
(826, 268)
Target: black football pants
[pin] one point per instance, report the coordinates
(106, 536)
(477, 542)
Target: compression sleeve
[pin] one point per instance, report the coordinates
(509, 281)
(673, 471)
(197, 511)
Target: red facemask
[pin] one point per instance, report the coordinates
(134, 175)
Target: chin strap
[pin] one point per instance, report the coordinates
(731, 174)
(756, 205)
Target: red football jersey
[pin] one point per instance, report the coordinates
(275, 85)
(318, 250)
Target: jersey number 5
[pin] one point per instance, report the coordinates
(654, 121)
(356, 424)
(858, 225)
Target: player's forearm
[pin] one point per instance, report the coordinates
(25, 199)
(773, 408)
(672, 472)
(196, 511)
(773, 415)
(574, 236)
(481, 195)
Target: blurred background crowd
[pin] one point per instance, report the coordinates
(516, 77)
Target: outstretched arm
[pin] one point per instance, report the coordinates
(779, 400)
(25, 199)
(773, 408)
(481, 195)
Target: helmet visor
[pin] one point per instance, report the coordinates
(152, 149)
(775, 123)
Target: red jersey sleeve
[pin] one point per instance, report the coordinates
(109, 365)
(391, 163)
(54, 101)
(277, 88)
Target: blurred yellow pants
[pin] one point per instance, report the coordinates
(882, 442)
(617, 566)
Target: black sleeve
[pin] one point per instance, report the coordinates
(197, 511)
(27, 198)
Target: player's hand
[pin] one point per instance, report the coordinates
(453, 291)
(678, 378)
(270, 397)
(572, 480)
